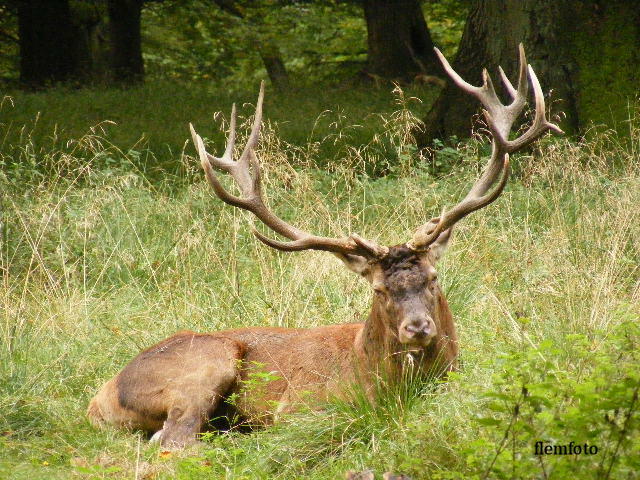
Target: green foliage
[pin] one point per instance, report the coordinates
(255, 385)
(9, 51)
(197, 40)
(318, 41)
(446, 21)
(608, 71)
(594, 401)
(446, 156)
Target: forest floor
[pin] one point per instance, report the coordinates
(102, 254)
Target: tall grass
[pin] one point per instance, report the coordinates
(149, 122)
(97, 262)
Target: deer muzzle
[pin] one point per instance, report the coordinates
(417, 331)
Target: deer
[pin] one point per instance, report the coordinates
(172, 389)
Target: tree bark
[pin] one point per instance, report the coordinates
(586, 55)
(276, 70)
(46, 37)
(399, 42)
(126, 43)
(91, 46)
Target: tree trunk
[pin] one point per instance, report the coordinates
(91, 46)
(126, 47)
(46, 42)
(586, 55)
(398, 39)
(272, 60)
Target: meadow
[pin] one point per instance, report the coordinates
(109, 243)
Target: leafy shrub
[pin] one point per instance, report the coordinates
(595, 402)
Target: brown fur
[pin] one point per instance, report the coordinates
(173, 387)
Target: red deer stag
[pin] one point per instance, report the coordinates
(174, 387)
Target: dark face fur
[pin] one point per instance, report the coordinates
(406, 288)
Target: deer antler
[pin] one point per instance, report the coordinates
(246, 173)
(500, 119)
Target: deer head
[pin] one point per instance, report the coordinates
(403, 277)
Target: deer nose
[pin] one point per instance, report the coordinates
(422, 330)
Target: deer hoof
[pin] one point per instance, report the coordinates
(157, 437)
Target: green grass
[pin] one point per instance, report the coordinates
(97, 262)
(152, 120)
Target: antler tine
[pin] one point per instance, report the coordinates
(500, 119)
(425, 236)
(252, 141)
(211, 176)
(540, 123)
(231, 140)
(226, 161)
(519, 96)
(486, 94)
(489, 97)
(247, 174)
(457, 79)
(523, 84)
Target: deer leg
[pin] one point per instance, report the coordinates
(180, 381)
(193, 401)
(181, 427)
(191, 408)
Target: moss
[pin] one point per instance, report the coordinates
(605, 42)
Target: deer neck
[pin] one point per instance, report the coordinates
(379, 346)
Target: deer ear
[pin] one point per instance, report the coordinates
(438, 247)
(355, 263)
